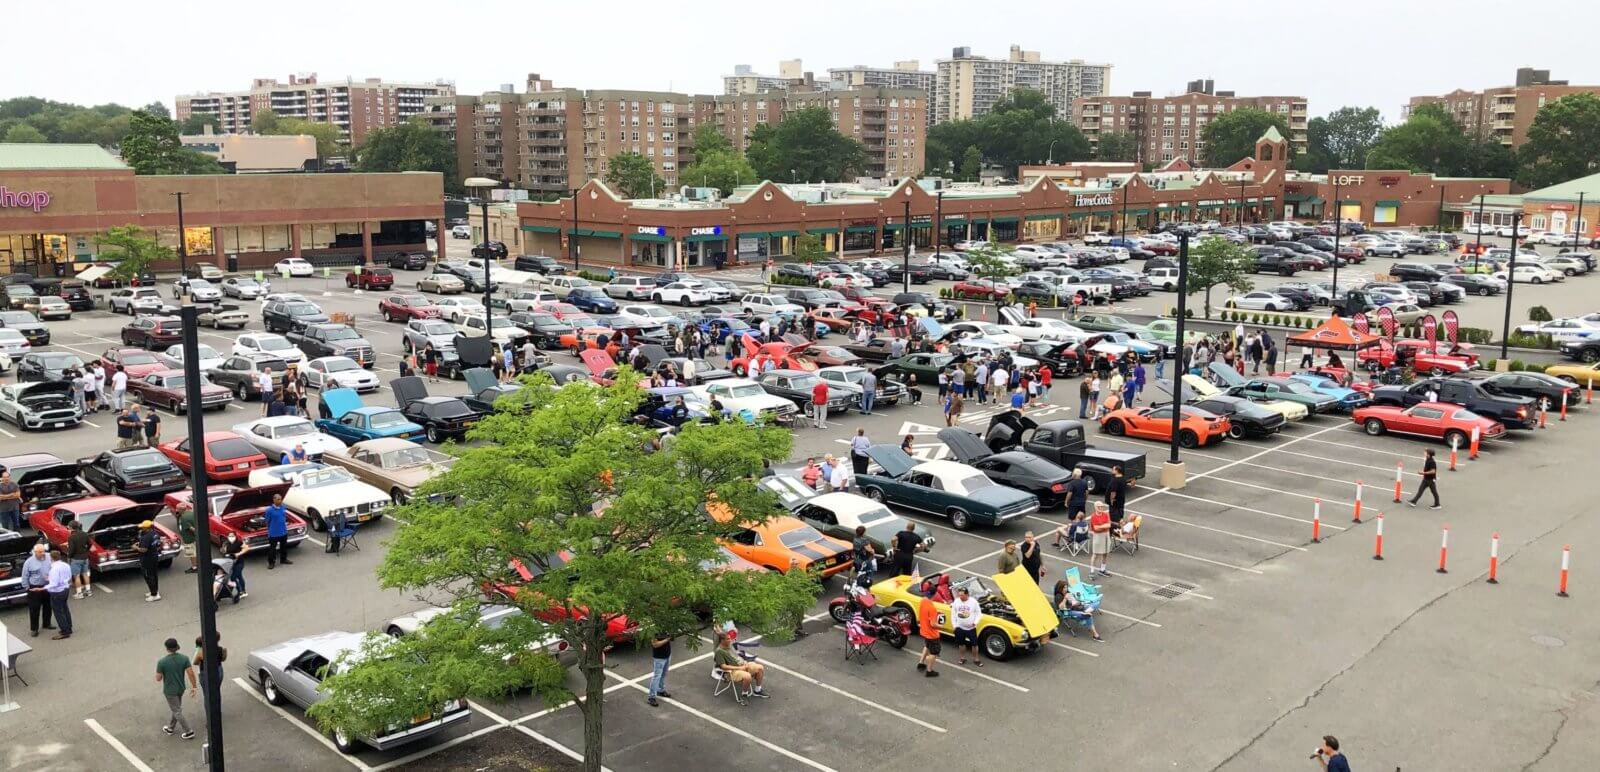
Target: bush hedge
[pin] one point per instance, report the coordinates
(1539, 314)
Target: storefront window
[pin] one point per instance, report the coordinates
(1384, 214)
(316, 236)
(1042, 230)
(167, 237)
(347, 234)
(855, 241)
(249, 239)
(275, 238)
(197, 241)
(1350, 211)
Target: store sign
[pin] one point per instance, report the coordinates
(652, 230)
(1292, 188)
(1559, 207)
(714, 230)
(1349, 179)
(36, 200)
(1211, 202)
(1098, 199)
(1388, 181)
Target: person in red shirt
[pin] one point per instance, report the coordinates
(1044, 382)
(928, 628)
(1099, 539)
(819, 405)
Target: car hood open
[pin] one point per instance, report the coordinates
(340, 401)
(259, 497)
(895, 462)
(45, 388)
(408, 389)
(133, 514)
(479, 379)
(964, 445)
(44, 474)
(474, 351)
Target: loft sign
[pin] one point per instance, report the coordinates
(1099, 199)
(1349, 179)
(36, 200)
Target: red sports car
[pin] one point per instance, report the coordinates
(1197, 428)
(112, 523)
(619, 629)
(786, 356)
(136, 362)
(1440, 420)
(987, 289)
(602, 368)
(371, 278)
(227, 455)
(242, 511)
(1416, 352)
(403, 308)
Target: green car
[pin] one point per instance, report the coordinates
(1267, 389)
(1166, 331)
(1103, 323)
(924, 365)
(961, 493)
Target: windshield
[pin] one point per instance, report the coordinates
(295, 430)
(144, 460)
(301, 309)
(135, 358)
(57, 361)
(199, 284)
(1297, 387)
(246, 284)
(340, 365)
(16, 317)
(748, 390)
(202, 351)
(326, 477)
(273, 344)
(231, 448)
(975, 482)
(391, 418)
(437, 328)
(799, 537)
(404, 457)
(341, 333)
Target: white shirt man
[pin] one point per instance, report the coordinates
(99, 373)
(839, 476)
(965, 613)
(119, 389)
(1000, 379)
(264, 384)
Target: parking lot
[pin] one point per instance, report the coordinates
(1232, 640)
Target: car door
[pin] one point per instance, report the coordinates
(351, 427)
(302, 677)
(823, 520)
(1420, 420)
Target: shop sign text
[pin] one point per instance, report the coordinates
(36, 200)
(1098, 199)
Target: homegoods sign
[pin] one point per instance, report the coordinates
(36, 200)
(1098, 199)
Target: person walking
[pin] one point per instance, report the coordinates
(858, 451)
(819, 405)
(234, 548)
(1130, 388)
(1094, 397)
(152, 427)
(188, 531)
(10, 503)
(1329, 756)
(1045, 376)
(35, 578)
(58, 586)
(277, 533)
(119, 388)
(1269, 349)
(78, 557)
(660, 662)
(907, 543)
(1116, 494)
(430, 363)
(1008, 560)
(928, 629)
(1099, 539)
(1430, 480)
(171, 671)
(965, 614)
(127, 427)
(952, 408)
(1032, 557)
(199, 661)
(148, 545)
(1085, 395)
(869, 391)
(1306, 360)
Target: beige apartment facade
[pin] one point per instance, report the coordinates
(1505, 112)
(968, 86)
(1172, 128)
(356, 107)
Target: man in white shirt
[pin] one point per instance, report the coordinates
(1001, 380)
(965, 616)
(264, 384)
(99, 373)
(839, 477)
(119, 388)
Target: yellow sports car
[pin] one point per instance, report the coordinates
(1016, 616)
(1291, 411)
(1580, 374)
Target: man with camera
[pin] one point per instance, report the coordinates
(1329, 756)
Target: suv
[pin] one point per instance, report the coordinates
(763, 304)
(1414, 272)
(473, 279)
(136, 300)
(331, 340)
(1271, 260)
(805, 297)
(241, 374)
(409, 261)
(630, 287)
(544, 264)
(284, 316)
(152, 332)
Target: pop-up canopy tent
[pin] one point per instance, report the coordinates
(1335, 334)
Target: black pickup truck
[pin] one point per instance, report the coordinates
(1063, 443)
(1513, 411)
(333, 340)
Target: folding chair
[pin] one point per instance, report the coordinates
(722, 682)
(1077, 539)
(858, 643)
(343, 533)
(1126, 538)
(1084, 592)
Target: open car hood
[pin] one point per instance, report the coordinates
(934, 329)
(62, 471)
(598, 361)
(13, 543)
(653, 353)
(1010, 315)
(1228, 375)
(895, 462)
(964, 445)
(479, 378)
(340, 401)
(45, 389)
(408, 389)
(132, 514)
(563, 374)
(791, 491)
(1032, 607)
(259, 497)
(475, 351)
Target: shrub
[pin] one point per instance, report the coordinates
(599, 278)
(1539, 314)
(1517, 365)
(1188, 313)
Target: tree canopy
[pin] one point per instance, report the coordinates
(804, 147)
(152, 147)
(634, 176)
(103, 125)
(716, 163)
(1117, 146)
(408, 147)
(1232, 135)
(23, 132)
(1563, 142)
(1431, 141)
(1341, 140)
(196, 123)
(567, 511)
(133, 249)
(1022, 128)
(1215, 261)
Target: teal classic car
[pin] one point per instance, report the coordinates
(1166, 330)
(1275, 388)
(959, 492)
(1324, 383)
(1103, 323)
(924, 365)
(345, 417)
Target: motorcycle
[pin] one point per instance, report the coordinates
(891, 626)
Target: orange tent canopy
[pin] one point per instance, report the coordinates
(1334, 333)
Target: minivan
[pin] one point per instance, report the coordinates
(630, 287)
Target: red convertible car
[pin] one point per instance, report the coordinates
(619, 629)
(987, 289)
(112, 523)
(1440, 420)
(136, 362)
(227, 455)
(404, 308)
(786, 356)
(242, 511)
(1416, 352)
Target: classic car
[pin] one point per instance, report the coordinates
(850, 378)
(338, 372)
(619, 629)
(405, 307)
(276, 436)
(391, 464)
(292, 672)
(796, 386)
(136, 362)
(345, 417)
(241, 287)
(492, 618)
(781, 543)
(741, 396)
(1016, 614)
(1196, 428)
(258, 344)
(207, 356)
(839, 514)
(691, 370)
(370, 279)
(227, 456)
(1419, 356)
(39, 405)
(1273, 388)
(167, 388)
(1516, 412)
(1326, 383)
(135, 473)
(441, 417)
(1119, 343)
(243, 511)
(319, 492)
(483, 390)
(112, 523)
(923, 365)
(44, 479)
(1291, 411)
(47, 365)
(1547, 391)
(956, 491)
(1245, 418)
(1017, 469)
(15, 549)
(1584, 375)
(1064, 358)
(1103, 323)
(26, 323)
(1440, 420)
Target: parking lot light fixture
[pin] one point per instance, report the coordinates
(210, 674)
(1176, 477)
(480, 186)
(905, 245)
(1338, 225)
(1511, 281)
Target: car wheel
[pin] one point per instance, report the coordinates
(242, 392)
(394, 631)
(873, 493)
(1372, 253)
(1271, 307)
(1374, 427)
(344, 742)
(1235, 431)
(317, 523)
(1484, 292)
(1589, 355)
(269, 689)
(1115, 428)
(1455, 438)
(959, 519)
(995, 644)
(1188, 439)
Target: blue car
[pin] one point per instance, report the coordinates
(1349, 399)
(720, 328)
(345, 417)
(592, 299)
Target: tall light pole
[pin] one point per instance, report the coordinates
(482, 185)
(1125, 212)
(200, 500)
(1478, 250)
(183, 243)
(572, 238)
(1050, 155)
(1577, 222)
(938, 219)
(1172, 474)
(905, 245)
(1338, 228)
(1511, 281)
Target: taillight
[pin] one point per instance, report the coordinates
(1522, 412)
(1058, 488)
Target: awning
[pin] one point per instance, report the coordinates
(1004, 220)
(603, 234)
(1349, 202)
(753, 235)
(1314, 200)
(707, 237)
(1137, 212)
(94, 272)
(541, 229)
(822, 231)
(645, 237)
(898, 226)
(862, 229)
(980, 220)
(1389, 203)
(952, 221)
(1077, 215)
(781, 234)
(1043, 217)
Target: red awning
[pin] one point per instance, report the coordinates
(1334, 333)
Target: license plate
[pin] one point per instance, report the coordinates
(57, 424)
(363, 518)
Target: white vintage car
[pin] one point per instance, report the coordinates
(741, 396)
(338, 372)
(277, 435)
(319, 492)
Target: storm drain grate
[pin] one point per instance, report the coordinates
(1173, 590)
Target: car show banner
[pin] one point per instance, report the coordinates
(1359, 321)
(1452, 326)
(1386, 321)
(1430, 332)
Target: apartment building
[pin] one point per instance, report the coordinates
(903, 75)
(1502, 112)
(891, 123)
(967, 86)
(1173, 127)
(354, 106)
(745, 80)
(519, 137)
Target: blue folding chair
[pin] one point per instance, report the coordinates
(342, 534)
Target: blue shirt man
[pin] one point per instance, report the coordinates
(277, 519)
(36, 569)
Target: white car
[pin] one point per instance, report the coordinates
(499, 274)
(629, 287)
(962, 246)
(491, 617)
(1531, 274)
(209, 357)
(241, 287)
(645, 315)
(13, 344)
(1045, 328)
(993, 349)
(252, 344)
(501, 328)
(874, 262)
(457, 309)
(461, 232)
(338, 373)
(318, 492)
(1505, 230)
(988, 330)
(1565, 265)
(277, 435)
(761, 304)
(744, 396)
(1259, 301)
(1563, 329)
(683, 293)
(563, 285)
(1476, 228)
(1557, 239)
(844, 280)
(201, 290)
(294, 266)
(281, 297)
(1399, 294)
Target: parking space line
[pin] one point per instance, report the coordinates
(1324, 499)
(1334, 460)
(320, 737)
(116, 745)
(562, 749)
(8, 434)
(1293, 471)
(430, 750)
(1362, 449)
(1224, 532)
(972, 672)
(1163, 446)
(763, 742)
(1229, 505)
(1250, 457)
(1103, 610)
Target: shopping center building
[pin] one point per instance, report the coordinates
(55, 200)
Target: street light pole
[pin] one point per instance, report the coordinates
(1178, 366)
(480, 184)
(1577, 222)
(572, 238)
(1124, 235)
(938, 218)
(1478, 250)
(183, 243)
(1050, 155)
(905, 245)
(1338, 227)
(1511, 281)
(210, 669)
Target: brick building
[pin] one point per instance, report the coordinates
(1171, 128)
(354, 106)
(1503, 112)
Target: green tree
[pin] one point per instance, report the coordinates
(985, 260)
(709, 139)
(264, 122)
(196, 123)
(634, 176)
(971, 164)
(1429, 141)
(1022, 128)
(723, 169)
(1117, 146)
(1317, 159)
(152, 147)
(157, 108)
(1215, 261)
(132, 250)
(103, 125)
(1349, 133)
(808, 249)
(947, 143)
(22, 132)
(409, 147)
(1563, 142)
(329, 141)
(804, 147)
(564, 485)
(1232, 135)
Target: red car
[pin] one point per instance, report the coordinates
(1163, 248)
(786, 356)
(602, 368)
(165, 388)
(987, 289)
(1197, 428)
(112, 523)
(1440, 420)
(242, 511)
(404, 308)
(1351, 253)
(1384, 355)
(565, 311)
(227, 455)
(136, 362)
(619, 629)
(153, 332)
(370, 278)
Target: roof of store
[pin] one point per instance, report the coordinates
(31, 156)
(1568, 191)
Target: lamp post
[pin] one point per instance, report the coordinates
(938, 228)
(1577, 222)
(1511, 281)
(210, 674)
(572, 238)
(905, 244)
(1124, 236)
(1241, 200)
(1050, 155)
(183, 243)
(1338, 228)
(1172, 474)
(1478, 250)
(480, 184)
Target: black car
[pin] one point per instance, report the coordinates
(135, 473)
(1245, 418)
(1065, 358)
(667, 277)
(1546, 390)
(1017, 469)
(1428, 293)
(441, 418)
(878, 276)
(920, 274)
(1475, 283)
(494, 250)
(1448, 293)
(545, 329)
(796, 386)
(946, 272)
(1515, 412)
(74, 291)
(1274, 260)
(1034, 291)
(469, 276)
(543, 264)
(806, 297)
(47, 365)
(808, 273)
(1414, 272)
(1302, 299)
(284, 316)
(1322, 243)
(409, 261)
(25, 323)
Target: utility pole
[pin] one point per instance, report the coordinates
(183, 242)
(572, 238)
(1478, 250)
(210, 674)
(1338, 227)
(1511, 281)
(905, 245)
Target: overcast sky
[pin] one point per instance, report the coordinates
(1348, 53)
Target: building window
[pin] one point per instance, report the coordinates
(1538, 222)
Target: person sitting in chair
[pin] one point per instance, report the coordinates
(1075, 532)
(744, 674)
(1069, 607)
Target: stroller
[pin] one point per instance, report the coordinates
(222, 584)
